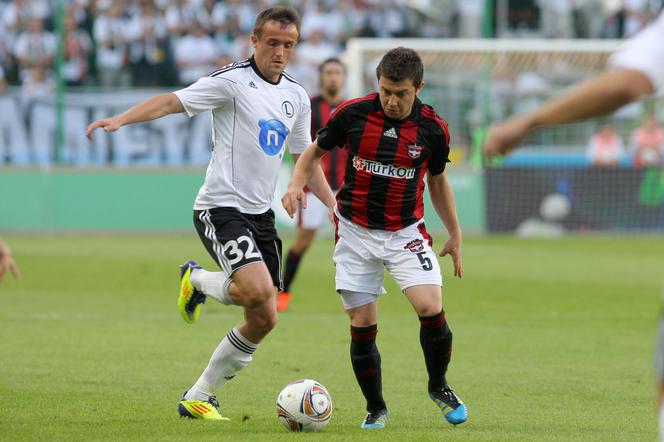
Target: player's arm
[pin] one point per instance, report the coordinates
(317, 182)
(7, 263)
(600, 95)
(442, 198)
(307, 171)
(150, 109)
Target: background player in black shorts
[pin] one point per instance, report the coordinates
(332, 78)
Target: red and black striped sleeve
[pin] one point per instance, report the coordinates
(439, 140)
(335, 133)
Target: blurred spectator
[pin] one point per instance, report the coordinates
(605, 148)
(313, 19)
(13, 140)
(304, 72)
(204, 15)
(648, 143)
(385, 19)
(556, 18)
(330, 21)
(148, 47)
(180, 16)
(343, 21)
(195, 55)
(77, 46)
(589, 16)
(40, 82)
(17, 14)
(530, 90)
(5, 41)
(110, 31)
(34, 48)
(235, 14)
(637, 14)
(470, 13)
(316, 49)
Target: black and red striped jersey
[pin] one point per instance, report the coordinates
(334, 163)
(387, 160)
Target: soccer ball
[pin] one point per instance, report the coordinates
(304, 405)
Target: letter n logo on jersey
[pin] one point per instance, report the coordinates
(414, 150)
(272, 136)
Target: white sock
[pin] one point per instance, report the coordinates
(213, 284)
(232, 355)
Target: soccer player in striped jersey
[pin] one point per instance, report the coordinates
(332, 78)
(395, 143)
(257, 109)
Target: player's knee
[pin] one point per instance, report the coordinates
(429, 310)
(265, 321)
(256, 293)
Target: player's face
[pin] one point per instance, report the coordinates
(274, 48)
(397, 98)
(332, 78)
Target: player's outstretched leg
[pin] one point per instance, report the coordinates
(190, 298)
(453, 408)
(197, 409)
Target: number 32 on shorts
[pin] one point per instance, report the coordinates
(235, 251)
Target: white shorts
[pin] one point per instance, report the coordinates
(315, 215)
(360, 255)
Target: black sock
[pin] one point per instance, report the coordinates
(366, 364)
(292, 262)
(436, 341)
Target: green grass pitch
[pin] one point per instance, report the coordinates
(553, 340)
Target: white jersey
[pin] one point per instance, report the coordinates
(645, 52)
(252, 121)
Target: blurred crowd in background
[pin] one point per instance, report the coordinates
(166, 43)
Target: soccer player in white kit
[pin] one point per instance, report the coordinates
(637, 70)
(256, 110)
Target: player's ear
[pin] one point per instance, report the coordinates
(419, 88)
(254, 40)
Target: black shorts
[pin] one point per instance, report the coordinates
(235, 239)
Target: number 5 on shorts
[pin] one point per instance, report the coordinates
(425, 261)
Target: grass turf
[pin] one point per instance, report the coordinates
(552, 341)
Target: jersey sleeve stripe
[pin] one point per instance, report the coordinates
(430, 114)
(230, 67)
(291, 79)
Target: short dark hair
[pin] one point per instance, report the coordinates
(401, 64)
(286, 15)
(321, 66)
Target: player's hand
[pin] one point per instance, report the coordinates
(453, 248)
(504, 137)
(331, 215)
(108, 124)
(7, 263)
(293, 197)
